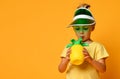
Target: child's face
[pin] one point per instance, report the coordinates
(83, 31)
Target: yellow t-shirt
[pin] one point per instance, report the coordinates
(86, 70)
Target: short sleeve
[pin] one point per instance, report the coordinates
(101, 52)
(63, 54)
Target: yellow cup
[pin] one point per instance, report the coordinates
(76, 56)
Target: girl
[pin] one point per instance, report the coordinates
(94, 54)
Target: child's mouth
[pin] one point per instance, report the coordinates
(82, 37)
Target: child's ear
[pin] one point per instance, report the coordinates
(93, 27)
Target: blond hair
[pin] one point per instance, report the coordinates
(84, 5)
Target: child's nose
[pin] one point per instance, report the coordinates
(81, 31)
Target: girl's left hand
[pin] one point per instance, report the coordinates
(87, 56)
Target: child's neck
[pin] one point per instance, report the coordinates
(88, 41)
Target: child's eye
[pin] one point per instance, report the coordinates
(85, 28)
(77, 28)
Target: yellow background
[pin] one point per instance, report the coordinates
(33, 33)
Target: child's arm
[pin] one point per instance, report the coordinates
(63, 65)
(99, 65)
(64, 62)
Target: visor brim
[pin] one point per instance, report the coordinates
(82, 22)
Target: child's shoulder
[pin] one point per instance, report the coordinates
(95, 43)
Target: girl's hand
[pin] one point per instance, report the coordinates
(88, 58)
